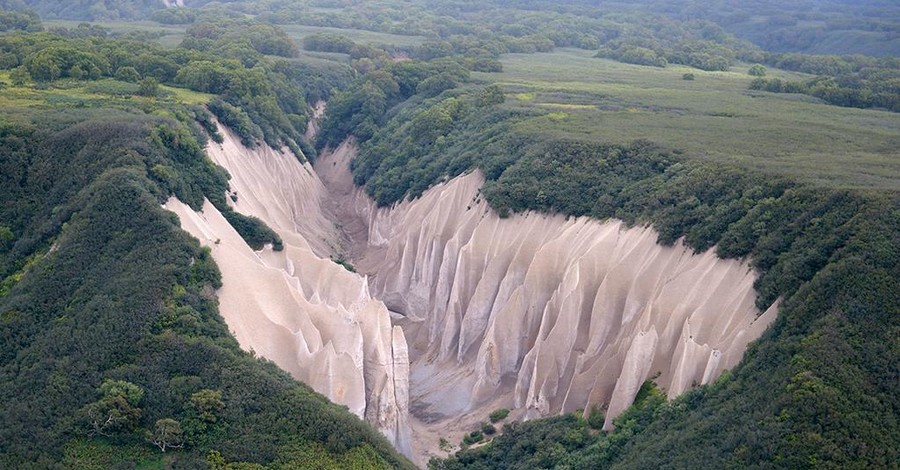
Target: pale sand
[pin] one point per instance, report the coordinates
(541, 314)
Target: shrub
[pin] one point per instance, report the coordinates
(757, 71)
(254, 231)
(595, 418)
(473, 438)
(148, 87)
(498, 414)
(128, 74)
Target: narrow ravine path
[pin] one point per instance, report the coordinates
(346, 204)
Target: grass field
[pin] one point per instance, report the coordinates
(298, 32)
(170, 35)
(17, 102)
(713, 116)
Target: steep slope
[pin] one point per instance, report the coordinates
(545, 314)
(101, 293)
(578, 312)
(296, 307)
(540, 313)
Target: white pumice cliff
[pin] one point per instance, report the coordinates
(455, 311)
(296, 307)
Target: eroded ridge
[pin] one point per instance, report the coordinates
(458, 311)
(553, 313)
(296, 307)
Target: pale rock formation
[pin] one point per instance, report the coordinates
(312, 126)
(543, 312)
(173, 3)
(539, 313)
(296, 307)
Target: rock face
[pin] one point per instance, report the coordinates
(309, 315)
(312, 127)
(552, 313)
(459, 312)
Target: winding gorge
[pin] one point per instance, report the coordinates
(453, 311)
(449, 234)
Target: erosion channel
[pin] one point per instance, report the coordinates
(453, 312)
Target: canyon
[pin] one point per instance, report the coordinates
(453, 311)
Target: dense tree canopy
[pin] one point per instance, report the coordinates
(109, 325)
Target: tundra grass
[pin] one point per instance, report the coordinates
(170, 35)
(713, 117)
(298, 32)
(95, 93)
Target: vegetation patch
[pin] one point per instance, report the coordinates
(568, 106)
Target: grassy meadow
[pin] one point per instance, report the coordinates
(298, 32)
(713, 116)
(170, 36)
(17, 102)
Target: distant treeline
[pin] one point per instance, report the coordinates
(486, 30)
(19, 21)
(91, 9)
(480, 34)
(654, 34)
(820, 26)
(852, 81)
(247, 64)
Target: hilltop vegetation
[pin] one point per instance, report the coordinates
(112, 352)
(262, 95)
(713, 117)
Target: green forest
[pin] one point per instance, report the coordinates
(110, 328)
(112, 351)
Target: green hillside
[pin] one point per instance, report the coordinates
(112, 352)
(101, 287)
(804, 189)
(691, 117)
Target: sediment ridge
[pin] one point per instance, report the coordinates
(454, 311)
